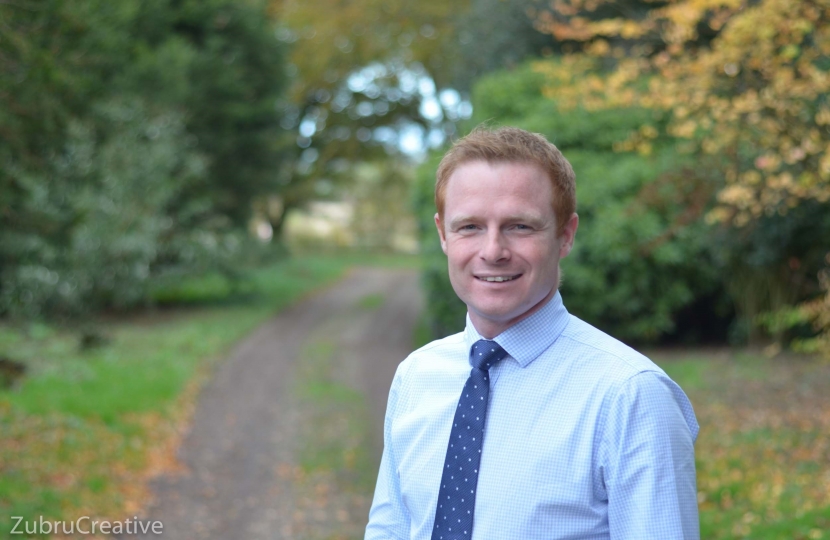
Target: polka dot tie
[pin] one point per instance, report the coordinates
(457, 494)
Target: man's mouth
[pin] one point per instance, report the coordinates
(498, 279)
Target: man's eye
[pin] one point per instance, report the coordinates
(469, 227)
(522, 226)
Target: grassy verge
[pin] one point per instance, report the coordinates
(763, 453)
(83, 430)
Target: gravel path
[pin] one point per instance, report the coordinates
(242, 450)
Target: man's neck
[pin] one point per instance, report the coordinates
(489, 328)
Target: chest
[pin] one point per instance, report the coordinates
(538, 461)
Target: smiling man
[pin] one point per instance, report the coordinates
(530, 424)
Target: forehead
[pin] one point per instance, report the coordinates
(482, 182)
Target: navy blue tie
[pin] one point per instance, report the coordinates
(457, 494)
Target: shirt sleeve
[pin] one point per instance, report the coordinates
(388, 517)
(648, 463)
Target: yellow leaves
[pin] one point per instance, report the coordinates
(750, 178)
(648, 131)
(790, 51)
(599, 48)
(684, 129)
(737, 195)
(631, 29)
(768, 162)
(823, 116)
(824, 165)
(746, 93)
(639, 141)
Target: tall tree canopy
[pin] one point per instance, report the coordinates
(134, 136)
(753, 94)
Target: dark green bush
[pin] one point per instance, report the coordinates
(445, 312)
(134, 138)
(113, 199)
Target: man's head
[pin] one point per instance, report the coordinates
(512, 145)
(504, 223)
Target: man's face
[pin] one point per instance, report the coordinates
(499, 234)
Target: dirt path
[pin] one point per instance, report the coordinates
(242, 450)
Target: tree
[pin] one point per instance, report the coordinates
(745, 84)
(134, 139)
(353, 91)
(756, 95)
(220, 61)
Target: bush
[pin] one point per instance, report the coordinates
(445, 313)
(134, 139)
(110, 218)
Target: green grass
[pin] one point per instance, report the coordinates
(337, 438)
(371, 301)
(337, 466)
(82, 429)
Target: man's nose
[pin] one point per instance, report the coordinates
(495, 247)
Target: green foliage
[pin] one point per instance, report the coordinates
(445, 312)
(641, 253)
(134, 137)
(226, 67)
(771, 265)
(381, 218)
(106, 222)
(492, 35)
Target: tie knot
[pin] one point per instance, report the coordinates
(486, 353)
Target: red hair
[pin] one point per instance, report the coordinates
(512, 145)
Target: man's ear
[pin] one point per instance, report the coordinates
(568, 235)
(441, 234)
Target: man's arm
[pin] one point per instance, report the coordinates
(648, 461)
(388, 517)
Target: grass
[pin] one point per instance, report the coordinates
(763, 453)
(84, 429)
(371, 301)
(337, 467)
(338, 436)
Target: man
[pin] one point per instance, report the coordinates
(530, 424)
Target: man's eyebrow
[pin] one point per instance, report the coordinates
(533, 219)
(527, 218)
(457, 220)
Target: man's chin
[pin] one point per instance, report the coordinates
(505, 314)
(497, 314)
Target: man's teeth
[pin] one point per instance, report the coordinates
(498, 278)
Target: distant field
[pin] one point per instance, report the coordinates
(763, 453)
(84, 428)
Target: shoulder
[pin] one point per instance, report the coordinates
(438, 354)
(628, 376)
(634, 384)
(429, 369)
(616, 359)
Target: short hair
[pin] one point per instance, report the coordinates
(512, 145)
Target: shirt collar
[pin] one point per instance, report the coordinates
(528, 338)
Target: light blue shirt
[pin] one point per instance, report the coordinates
(585, 439)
